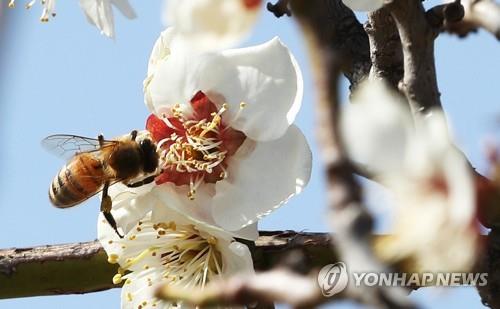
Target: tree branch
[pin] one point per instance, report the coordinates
(82, 267)
(417, 38)
(279, 285)
(385, 47)
(323, 28)
(478, 14)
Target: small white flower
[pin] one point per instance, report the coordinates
(430, 179)
(48, 11)
(224, 125)
(173, 250)
(212, 24)
(100, 13)
(364, 5)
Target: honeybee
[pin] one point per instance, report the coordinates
(96, 164)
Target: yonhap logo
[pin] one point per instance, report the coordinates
(333, 279)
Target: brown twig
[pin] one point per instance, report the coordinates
(280, 8)
(419, 82)
(385, 47)
(348, 217)
(279, 285)
(477, 14)
(338, 26)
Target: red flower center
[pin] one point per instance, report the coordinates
(194, 149)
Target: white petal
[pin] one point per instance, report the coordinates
(211, 24)
(181, 75)
(237, 259)
(161, 50)
(265, 77)
(269, 82)
(176, 198)
(139, 291)
(125, 8)
(130, 204)
(376, 127)
(100, 14)
(263, 180)
(176, 206)
(364, 5)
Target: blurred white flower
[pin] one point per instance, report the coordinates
(364, 5)
(212, 24)
(100, 13)
(224, 123)
(435, 227)
(171, 250)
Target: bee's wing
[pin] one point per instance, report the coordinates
(66, 145)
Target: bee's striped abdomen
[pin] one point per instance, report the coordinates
(78, 180)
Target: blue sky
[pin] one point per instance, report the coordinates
(63, 77)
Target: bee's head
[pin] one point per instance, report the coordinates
(150, 156)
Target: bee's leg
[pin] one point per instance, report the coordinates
(106, 205)
(133, 135)
(143, 182)
(100, 138)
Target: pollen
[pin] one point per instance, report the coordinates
(132, 237)
(113, 258)
(193, 148)
(212, 240)
(117, 279)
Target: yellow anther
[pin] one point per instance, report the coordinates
(146, 267)
(121, 271)
(129, 296)
(172, 225)
(113, 258)
(132, 237)
(117, 279)
(212, 240)
(128, 281)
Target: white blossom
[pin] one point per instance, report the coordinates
(223, 120)
(431, 181)
(212, 24)
(169, 249)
